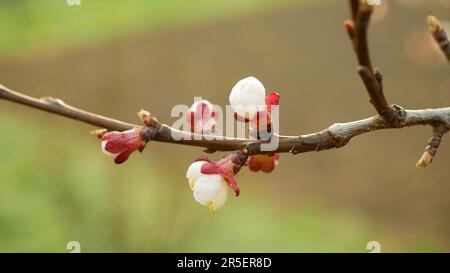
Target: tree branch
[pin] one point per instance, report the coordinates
(335, 136)
(339, 134)
(164, 134)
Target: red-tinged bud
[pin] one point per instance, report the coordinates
(265, 163)
(272, 99)
(251, 105)
(202, 117)
(262, 122)
(119, 145)
(227, 167)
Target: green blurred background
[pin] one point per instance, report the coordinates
(116, 57)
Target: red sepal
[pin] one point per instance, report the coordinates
(213, 168)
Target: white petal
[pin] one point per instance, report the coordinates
(194, 172)
(211, 190)
(105, 152)
(221, 197)
(206, 188)
(247, 97)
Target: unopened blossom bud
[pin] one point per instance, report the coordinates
(434, 24)
(210, 190)
(247, 97)
(209, 181)
(119, 145)
(263, 162)
(202, 117)
(148, 119)
(261, 124)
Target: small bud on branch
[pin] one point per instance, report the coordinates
(208, 179)
(120, 145)
(439, 35)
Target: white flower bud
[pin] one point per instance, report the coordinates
(211, 190)
(248, 97)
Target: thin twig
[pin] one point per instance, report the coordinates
(357, 31)
(57, 106)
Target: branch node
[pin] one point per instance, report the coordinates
(394, 115)
(329, 140)
(54, 101)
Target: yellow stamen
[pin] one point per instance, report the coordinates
(192, 183)
(211, 206)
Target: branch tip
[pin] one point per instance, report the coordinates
(426, 158)
(432, 146)
(433, 24)
(439, 35)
